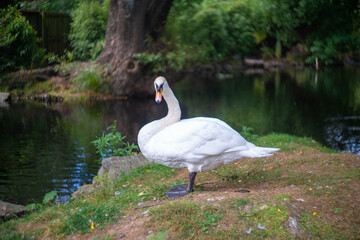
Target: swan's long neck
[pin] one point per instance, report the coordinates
(173, 116)
(174, 111)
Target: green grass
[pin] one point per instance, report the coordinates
(102, 207)
(289, 142)
(318, 227)
(186, 219)
(300, 170)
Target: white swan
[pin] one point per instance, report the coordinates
(200, 144)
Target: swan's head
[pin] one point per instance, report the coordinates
(159, 84)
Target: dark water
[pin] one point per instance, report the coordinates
(45, 148)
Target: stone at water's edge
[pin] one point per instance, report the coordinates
(115, 166)
(4, 96)
(9, 209)
(112, 168)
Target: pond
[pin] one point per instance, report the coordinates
(48, 147)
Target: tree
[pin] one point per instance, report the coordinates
(133, 27)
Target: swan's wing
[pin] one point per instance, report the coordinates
(195, 139)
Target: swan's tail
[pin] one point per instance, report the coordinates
(255, 152)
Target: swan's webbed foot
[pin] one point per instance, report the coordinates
(177, 192)
(182, 190)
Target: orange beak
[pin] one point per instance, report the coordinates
(158, 96)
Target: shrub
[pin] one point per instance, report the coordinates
(112, 144)
(330, 50)
(88, 27)
(53, 5)
(89, 78)
(18, 42)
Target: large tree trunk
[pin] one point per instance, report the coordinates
(133, 27)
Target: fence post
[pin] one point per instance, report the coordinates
(43, 28)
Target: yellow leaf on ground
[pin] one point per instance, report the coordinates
(92, 225)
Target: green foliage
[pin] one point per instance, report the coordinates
(66, 58)
(159, 62)
(88, 27)
(18, 42)
(211, 28)
(329, 50)
(33, 206)
(199, 32)
(112, 144)
(50, 196)
(210, 220)
(247, 133)
(53, 5)
(90, 78)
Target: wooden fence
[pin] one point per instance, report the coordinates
(52, 28)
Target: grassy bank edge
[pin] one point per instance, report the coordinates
(113, 202)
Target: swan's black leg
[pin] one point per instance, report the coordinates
(192, 176)
(182, 190)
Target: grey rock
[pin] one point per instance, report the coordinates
(254, 62)
(115, 166)
(82, 190)
(10, 209)
(4, 96)
(112, 168)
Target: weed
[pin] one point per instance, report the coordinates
(112, 144)
(338, 210)
(210, 220)
(246, 132)
(92, 78)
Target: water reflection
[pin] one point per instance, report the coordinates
(343, 133)
(45, 148)
(49, 148)
(292, 101)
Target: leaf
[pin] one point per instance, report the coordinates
(92, 225)
(31, 207)
(50, 196)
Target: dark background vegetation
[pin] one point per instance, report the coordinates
(197, 32)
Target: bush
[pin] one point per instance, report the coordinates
(53, 5)
(18, 42)
(200, 32)
(91, 78)
(330, 50)
(88, 27)
(112, 144)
